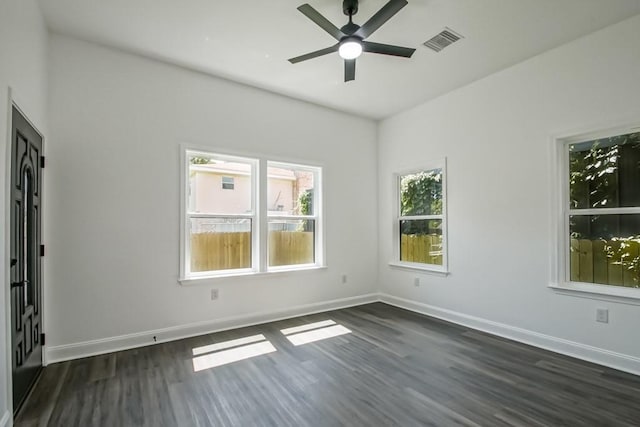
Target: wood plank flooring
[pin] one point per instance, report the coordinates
(395, 368)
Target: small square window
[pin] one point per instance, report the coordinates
(227, 183)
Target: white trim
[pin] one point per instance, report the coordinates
(261, 237)
(559, 257)
(5, 421)
(273, 216)
(215, 215)
(604, 211)
(415, 266)
(225, 173)
(225, 151)
(231, 272)
(124, 342)
(617, 294)
(420, 217)
(396, 262)
(184, 186)
(185, 216)
(7, 250)
(573, 349)
(273, 271)
(317, 216)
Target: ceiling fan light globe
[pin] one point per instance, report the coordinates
(350, 49)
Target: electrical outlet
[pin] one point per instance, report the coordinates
(602, 315)
(344, 278)
(214, 294)
(416, 282)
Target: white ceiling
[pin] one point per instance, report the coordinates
(249, 41)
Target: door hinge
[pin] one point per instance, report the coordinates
(42, 339)
(42, 162)
(41, 250)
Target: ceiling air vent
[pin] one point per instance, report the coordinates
(443, 39)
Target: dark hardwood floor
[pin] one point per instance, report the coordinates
(394, 368)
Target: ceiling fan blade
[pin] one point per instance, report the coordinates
(387, 49)
(315, 54)
(321, 21)
(349, 70)
(382, 16)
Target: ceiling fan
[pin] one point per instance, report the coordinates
(351, 37)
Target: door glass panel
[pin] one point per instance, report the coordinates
(27, 238)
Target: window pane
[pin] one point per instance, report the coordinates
(219, 186)
(291, 242)
(289, 191)
(227, 183)
(421, 241)
(421, 193)
(220, 244)
(605, 249)
(604, 173)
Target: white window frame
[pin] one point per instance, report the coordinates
(396, 262)
(317, 208)
(186, 216)
(259, 216)
(561, 211)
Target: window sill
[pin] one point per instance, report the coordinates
(424, 268)
(621, 295)
(205, 280)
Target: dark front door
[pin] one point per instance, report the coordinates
(26, 289)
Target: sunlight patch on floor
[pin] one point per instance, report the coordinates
(308, 326)
(227, 344)
(230, 351)
(314, 332)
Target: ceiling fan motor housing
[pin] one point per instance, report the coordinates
(350, 7)
(350, 28)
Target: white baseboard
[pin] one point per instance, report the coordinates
(596, 355)
(79, 350)
(6, 419)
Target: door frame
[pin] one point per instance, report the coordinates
(14, 102)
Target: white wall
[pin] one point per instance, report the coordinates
(496, 137)
(113, 192)
(23, 45)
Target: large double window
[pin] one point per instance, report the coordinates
(248, 215)
(420, 225)
(601, 210)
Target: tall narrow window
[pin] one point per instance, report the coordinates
(421, 220)
(221, 224)
(602, 210)
(292, 214)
